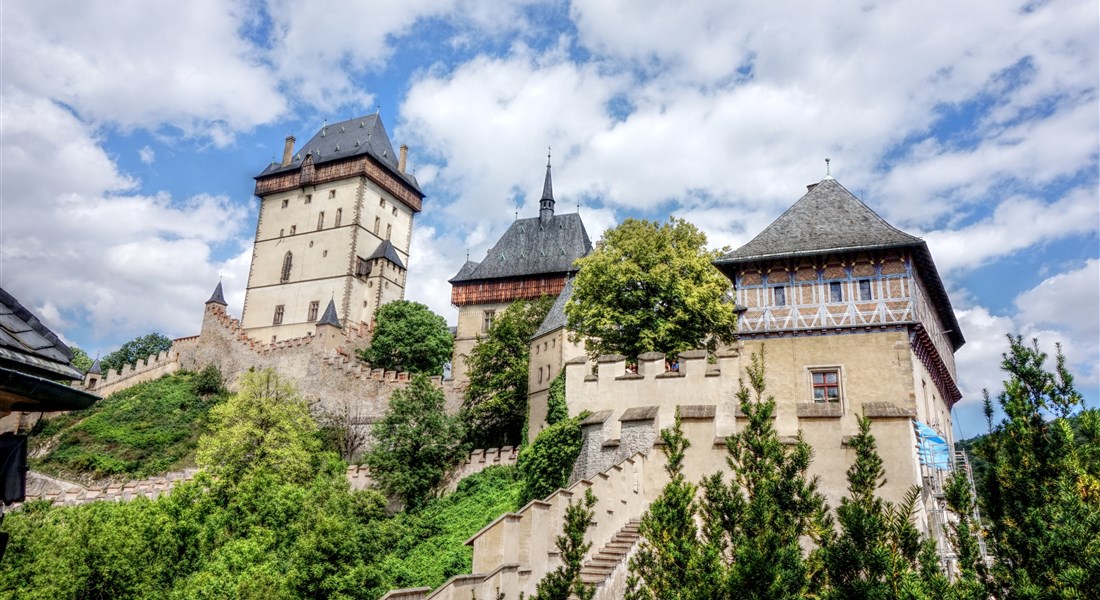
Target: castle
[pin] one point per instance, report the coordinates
(850, 312)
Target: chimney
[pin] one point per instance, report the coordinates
(288, 151)
(404, 157)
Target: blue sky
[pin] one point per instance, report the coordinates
(130, 132)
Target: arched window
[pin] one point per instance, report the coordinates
(288, 260)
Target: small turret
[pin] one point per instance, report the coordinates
(329, 328)
(93, 376)
(546, 204)
(217, 297)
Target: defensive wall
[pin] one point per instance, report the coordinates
(631, 401)
(323, 366)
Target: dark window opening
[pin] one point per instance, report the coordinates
(836, 293)
(780, 294)
(865, 289)
(278, 319)
(313, 306)
(288, 261)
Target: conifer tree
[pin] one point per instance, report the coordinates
(672, 563)
(877, 552)
(564, 583)
(973, 578)
(758, 519)
(1041, 492)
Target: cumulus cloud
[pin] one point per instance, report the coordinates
(140, 64)
(79, 246)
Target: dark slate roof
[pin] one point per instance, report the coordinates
(547, 184)
(531, 247)
(829, 218)
(217, 297)
(95, 368)
(28, 346)
(329, 317)
(555, 319)
(387, 251)
(354, 137)
(467, 268)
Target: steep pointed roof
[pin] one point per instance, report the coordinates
(555, 318)
(354, 137)
(827, 219)
(830, 219)
(329, 317)
(387, 251)
(531, 247)
(95, 368)
(548, 184)
(217, 297)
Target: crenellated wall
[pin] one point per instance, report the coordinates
(147, 369)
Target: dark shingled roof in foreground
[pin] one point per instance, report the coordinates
(354, 137)
(555, 319)
(27, 345)
(531, 247)
(387, 251)
(830, 219)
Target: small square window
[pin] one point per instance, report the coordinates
(286, 202)
(309, 198)
(293, 228)
(836, 293)
(780, 295)
(826, 385)
(382, 202)
(394, 211)
(332, 193)
(865, 290)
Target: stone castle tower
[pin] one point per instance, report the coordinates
(335, 223)
(533, 258)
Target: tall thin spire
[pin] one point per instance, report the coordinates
(546, 204)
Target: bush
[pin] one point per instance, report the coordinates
(545, 464)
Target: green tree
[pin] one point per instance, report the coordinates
(545, 464)
(495, 405)
(264, 427)
(408, 336)
(650, 287)
(760, 517)
(1041, 492)
(877, 553)
(134, 350)
(81, 361)
(673, 563)
(972, 582)
(415, 443)
(564, 583)
(556, 408)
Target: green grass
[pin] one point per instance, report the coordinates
(138, 432)
(428, 546)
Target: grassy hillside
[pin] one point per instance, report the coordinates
(428, 546)
(142, 431)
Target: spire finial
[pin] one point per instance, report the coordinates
(827, 171)
(548, 156)
(546, 203)
(467, 255)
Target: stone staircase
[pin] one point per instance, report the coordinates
(600, 566)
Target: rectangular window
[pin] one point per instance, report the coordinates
(394, 211)
(780, 295)
(278, 320)
(339, 213)
(286, 202)
(389, 230)
(321, 221)
(382, 202)
(313, 306)
(487, 320)
(309, 198)
(826, 385)
(835, 292)
(332, 194)
(865, 290)
(293, 228)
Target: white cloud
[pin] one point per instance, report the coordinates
(147, 155)
(81, 248)
(1016, 223)
(142, 64)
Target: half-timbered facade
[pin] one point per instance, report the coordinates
(830, 267)
(335, 223)
(533, 258)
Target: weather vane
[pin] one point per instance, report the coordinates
(827, 173)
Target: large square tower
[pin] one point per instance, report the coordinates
(335, 223)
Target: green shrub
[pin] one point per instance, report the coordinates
(545, 464)
(141, 431)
